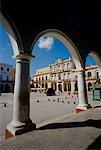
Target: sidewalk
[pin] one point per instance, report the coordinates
(80, 131)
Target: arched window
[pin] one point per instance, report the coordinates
(42, 85)
(89, 74)
(97, 75)
(76, 86)
(46, 85)
(42, 78)
(8, 69)
(36, 85)
(1, 68)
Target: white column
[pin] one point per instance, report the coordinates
(82, 91)
(72, 87)
(21, 107)
(62, 86)
(100, 73)
(49, 84)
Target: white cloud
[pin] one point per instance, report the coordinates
(46, 42)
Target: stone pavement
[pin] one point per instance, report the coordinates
(80, 131)
(43, 109)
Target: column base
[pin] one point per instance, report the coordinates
(13, 131)
(82, 108)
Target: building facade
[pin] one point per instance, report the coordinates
(6, 77)
(62, 76)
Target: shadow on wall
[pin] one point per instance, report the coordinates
(89, 123)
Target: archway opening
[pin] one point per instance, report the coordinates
(92, 73)
(8, 47)
(55, 57)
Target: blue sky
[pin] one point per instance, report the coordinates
(46, 50)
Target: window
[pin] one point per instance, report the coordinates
(42, 85)
(46, 85)
(67, 66)
(39, 78)
(89, 74)
(42, 79)
(7, 78)
(59, 77)
(7, 69)
(0, 77)
(36, 85)
(97, 75)
(75, 77)
(1, 68)
(46, 77)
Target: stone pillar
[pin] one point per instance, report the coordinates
(100, 74)
(49, 84)
(82, 92)
(62, 86)
(21, 106)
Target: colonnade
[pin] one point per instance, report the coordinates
(21, 108)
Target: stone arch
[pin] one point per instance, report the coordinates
(12, 33)
(67, 42)
(60, 87)
(97, 59)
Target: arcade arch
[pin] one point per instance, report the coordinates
(97, 59)
(13, 35)
(21, 118)
(78, 60)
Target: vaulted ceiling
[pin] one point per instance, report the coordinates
(80, 20)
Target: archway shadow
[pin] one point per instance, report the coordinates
(89, 123)
(97, 107)
(96, 145)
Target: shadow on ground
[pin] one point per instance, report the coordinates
(97, 107)
(96, 145)
(89, 123)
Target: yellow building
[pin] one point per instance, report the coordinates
(62, 76)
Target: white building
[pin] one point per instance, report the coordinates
(6, 77)
(62, 75)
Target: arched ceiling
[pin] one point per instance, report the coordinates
(80, 20)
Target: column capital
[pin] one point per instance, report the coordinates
(23, 56)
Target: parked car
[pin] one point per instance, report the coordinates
(50, 92)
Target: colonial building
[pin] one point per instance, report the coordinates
(6, 77)
(62, 76)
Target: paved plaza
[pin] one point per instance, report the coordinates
(80, 131)
(44, 109)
